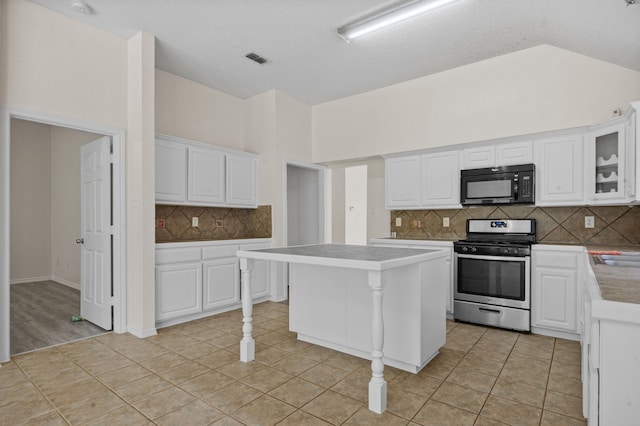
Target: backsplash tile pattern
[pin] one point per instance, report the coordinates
(237, 223)
(614, 225)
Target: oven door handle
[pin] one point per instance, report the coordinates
(483, 257)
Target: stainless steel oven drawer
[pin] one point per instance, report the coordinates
(496, 316)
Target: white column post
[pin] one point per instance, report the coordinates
(377, 385)
(247, 344)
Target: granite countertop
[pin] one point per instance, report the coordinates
(617, 283)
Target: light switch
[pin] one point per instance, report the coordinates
(194, 221)
(398, 221)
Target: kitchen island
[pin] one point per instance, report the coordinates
(336, 300)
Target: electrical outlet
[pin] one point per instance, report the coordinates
(194, 221)
(589, 222)
(219, 223)
(445, 222)
(398, 221)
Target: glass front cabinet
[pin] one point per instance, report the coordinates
(606, 162)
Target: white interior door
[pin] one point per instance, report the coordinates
(355, 195)
(95, 293)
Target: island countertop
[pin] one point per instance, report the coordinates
(351, 256)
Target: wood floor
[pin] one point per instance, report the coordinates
(41, 316)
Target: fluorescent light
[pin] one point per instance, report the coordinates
(395, 14)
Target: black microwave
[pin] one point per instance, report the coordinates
(498, 185)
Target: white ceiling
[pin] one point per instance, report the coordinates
(205, 41)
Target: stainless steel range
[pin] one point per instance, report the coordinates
(493, 273)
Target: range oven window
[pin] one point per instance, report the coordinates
(494, 278)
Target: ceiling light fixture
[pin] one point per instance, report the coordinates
(389, 16)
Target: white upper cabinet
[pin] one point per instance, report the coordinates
(440, 181)
(402, 182)
(423, 181)
(502, 154)
(605, 160)
(595, 165)
(171, 171)
(508, 154)
(206, 175)
(478, 157)
(559, 170)
(193, 173)
(241, 181)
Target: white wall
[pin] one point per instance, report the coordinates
(538, 89)
(140, 185)
(278, 129)
(53, 63)
(54, 66)
(190, 110)
(65, 203)
(30, 201)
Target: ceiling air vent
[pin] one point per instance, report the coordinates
(257, 58)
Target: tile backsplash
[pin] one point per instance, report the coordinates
(173, 223)
(616, 225)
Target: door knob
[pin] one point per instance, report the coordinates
(80, 241)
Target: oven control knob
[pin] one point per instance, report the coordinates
(473, 249)
(505, 250)
(465, 249)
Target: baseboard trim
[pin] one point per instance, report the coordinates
(66, 282)
(30, 280)
(142, 333)
(58, 280)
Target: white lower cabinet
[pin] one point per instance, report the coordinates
(260, 273)
(429, 245)
(221, 285)
(610, 358)
(198, 279)
(556, 274)
(178, 290)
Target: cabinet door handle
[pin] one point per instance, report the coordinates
(80, 241)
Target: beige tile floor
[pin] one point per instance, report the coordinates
(190, 374)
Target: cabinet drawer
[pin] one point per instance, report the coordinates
(257, 246)
(177, 255)
(557, 260)
(216, 252)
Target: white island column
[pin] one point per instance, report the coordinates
(247, 344)
(377, 385)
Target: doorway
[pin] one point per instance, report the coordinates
(305, 204)
(46, 170)
(60, 266)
